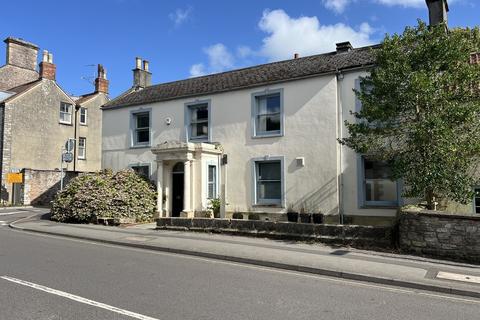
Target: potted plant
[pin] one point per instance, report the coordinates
(304, 216)
(292, 215)
(215, 207)
(317, 218)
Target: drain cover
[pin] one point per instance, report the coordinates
(458, 277)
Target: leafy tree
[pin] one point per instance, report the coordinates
(421, 111)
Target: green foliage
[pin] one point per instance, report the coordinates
(105, 194)
(253, 216)
(215, 207)
(421, 111)
(237, 215)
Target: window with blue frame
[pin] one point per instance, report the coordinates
(378, 187)
(267, 114)
(476, 200)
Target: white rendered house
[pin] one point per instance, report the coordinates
(262, 139)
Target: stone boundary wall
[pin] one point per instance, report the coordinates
(40, 186)
(440, 235)
(352, 235)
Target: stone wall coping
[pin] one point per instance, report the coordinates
(442, 214)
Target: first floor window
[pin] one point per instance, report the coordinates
(83, 116)
(82, 148)
(379, 188)
(268, 114)
(142, 170)
(476, 200)
(141, 130)
(198, 121)
(65, 113)
(212, 182)
(268, 182)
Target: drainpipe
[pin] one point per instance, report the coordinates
(77, 107)
(339, 77)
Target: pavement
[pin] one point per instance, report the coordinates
(340, 262)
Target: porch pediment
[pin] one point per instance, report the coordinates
(179, 150)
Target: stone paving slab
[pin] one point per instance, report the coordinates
(345, 263)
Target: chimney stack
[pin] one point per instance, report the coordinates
(21, 53)
(101, 82)
(47, 68)
(142, 78)
(437, 11)
(344, 47)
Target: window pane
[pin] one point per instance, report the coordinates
(269, 171)
(143, 135)
(269, 190)
(377, 170)
(381, 190)
(200, 129)
(141, 170)
(268, 123)
(211, 173)
(143, 120)
(200, 113)
(273, 103)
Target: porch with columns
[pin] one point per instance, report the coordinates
(193, 156)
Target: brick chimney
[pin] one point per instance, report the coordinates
(437, 11)
(21, 53)
(142, 78)
(344, 47)
(47, 68)
(101, 82)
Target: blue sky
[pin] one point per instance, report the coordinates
(191, 38)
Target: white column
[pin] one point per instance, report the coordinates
(186, 187)
(160, 188)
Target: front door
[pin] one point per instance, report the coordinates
(177, 189)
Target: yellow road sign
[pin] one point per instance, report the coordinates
(14, 177)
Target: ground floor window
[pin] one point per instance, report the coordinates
(142, 170)
(378, 187)
(268, 182)
(476, 200)
(82, 148)
(212, 182)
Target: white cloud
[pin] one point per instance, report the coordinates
(180, 16)
(305, 35)
(336, 5)
(244, 51)
(219, 59)
(197, 70)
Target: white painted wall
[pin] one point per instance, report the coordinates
(312, 126)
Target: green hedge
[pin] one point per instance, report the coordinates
(105, 194)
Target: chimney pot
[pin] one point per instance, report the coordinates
(47, 68)
(138, 63)
(145, 65)
(344, 47)
(101, 82)
(437, 11)
(296, 56)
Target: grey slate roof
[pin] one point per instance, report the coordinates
(248, 77)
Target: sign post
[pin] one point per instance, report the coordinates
(67, 156)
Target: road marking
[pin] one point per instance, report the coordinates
(78, 298)
(266, 269)
(458, 277)
(9, 213)
(3, 223)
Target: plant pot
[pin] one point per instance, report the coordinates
(305, 218)
(292, 216)
(317, 218)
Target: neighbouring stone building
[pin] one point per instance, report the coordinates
(38, 117)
